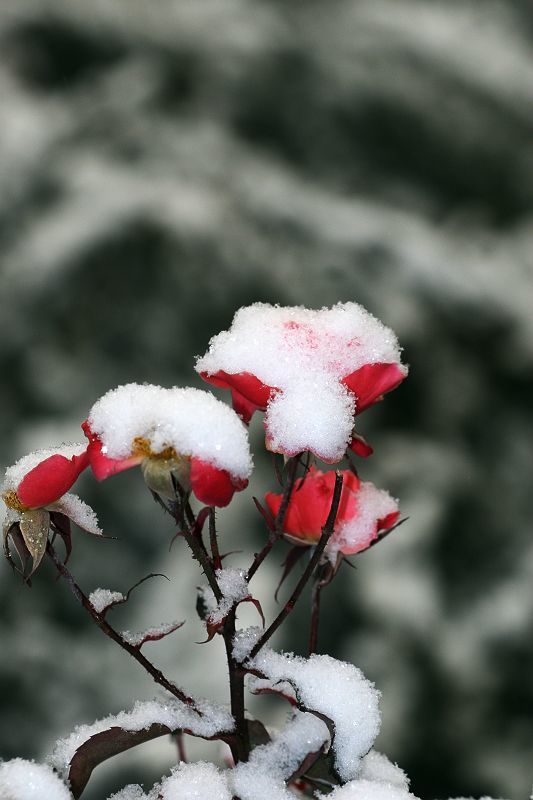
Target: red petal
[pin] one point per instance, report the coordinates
(249, 394)
(213, 486)
(372, 381)
(50, 479)
(311, 502)
(388, 521)
(242, 406)
(103, 466)
(360, 446)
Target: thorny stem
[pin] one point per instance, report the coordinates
(113, 634)
(241, 748)
(315, 616)
(322, 578)
(203, 559)
(215, 554)
(327, 531)
(275, 534)
(240, 744)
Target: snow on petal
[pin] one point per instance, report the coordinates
(355, 533)
(264, 775)
(335, 689)
(26, 780)
(198, 781)
(189, 421)
(312, 370)
(79, 512)
(41, 477)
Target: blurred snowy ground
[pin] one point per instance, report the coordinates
(163, 164)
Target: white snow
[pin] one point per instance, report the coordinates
(20, 469)
(370, 790)
(78, 511)
(243, 642)
(131, 792)
(150, 634)
(199, 781)
(26, 780)
(377, 767)
(172, 713)
(304, 354)
(101, 599)
(336, 689)
(234, 588)
(354, 534)
(191, 421)
(263, 776)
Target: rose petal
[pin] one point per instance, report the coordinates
(372, 381)
(311, 502)
(213, 486)
(103, 466)
(388, 521)
(248, 393)
(50, 479)
(360, 446)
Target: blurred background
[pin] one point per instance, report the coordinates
(163, 164)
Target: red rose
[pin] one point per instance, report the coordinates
(364, 511)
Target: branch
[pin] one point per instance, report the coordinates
(113, 634)
(275, 534)
(327, 531)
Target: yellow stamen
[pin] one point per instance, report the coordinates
(141, 447)
(11, 499)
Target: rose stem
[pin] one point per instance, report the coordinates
(240, 746)
(327, 531)
(275, 534)
(113, 634)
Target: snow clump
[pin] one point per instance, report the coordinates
(199, 781)
(263, 776)
(302, 355)
(336, 689)
(26, 780)
(101, 599)
(190, 421)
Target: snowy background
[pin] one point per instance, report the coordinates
(164, 163)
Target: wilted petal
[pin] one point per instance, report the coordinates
(34, 526)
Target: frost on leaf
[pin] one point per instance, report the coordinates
(76, 756)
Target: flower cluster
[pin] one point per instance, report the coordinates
(311, 373)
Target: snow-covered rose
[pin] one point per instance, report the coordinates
(36, 486)
(363, 512)
(178, 434)
(312, 371)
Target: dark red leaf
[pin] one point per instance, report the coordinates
(104, 745)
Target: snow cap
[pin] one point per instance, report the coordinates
(311, 370)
